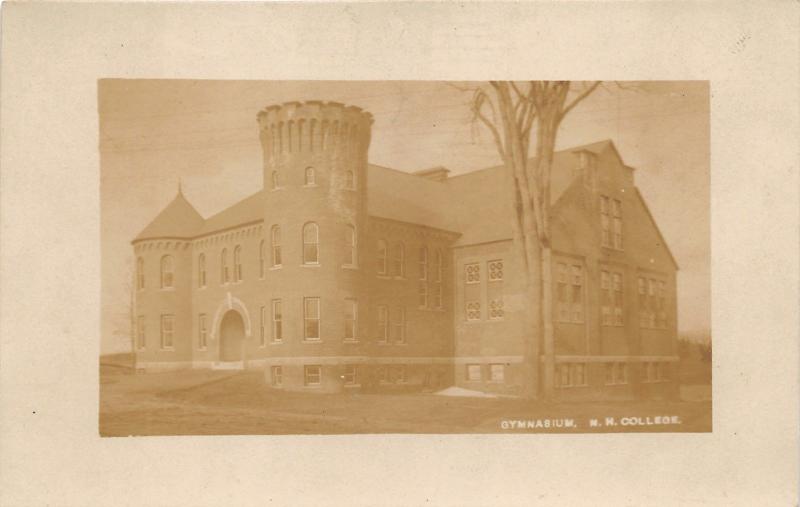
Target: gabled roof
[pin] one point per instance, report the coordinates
(178, 219)
(248, 210)
(655, 226)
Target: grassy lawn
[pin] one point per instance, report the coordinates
(203, 402)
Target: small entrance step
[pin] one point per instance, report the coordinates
(228, 365)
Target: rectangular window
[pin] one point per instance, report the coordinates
(140, 336)
(616, 212)
(262, 322)
(277, 376)
(605, 298)
(661, 305)
(383, 258)
(277, 321)
(397, 373)
(472, 272)
(661, 372)
(473, 372)
(616, 373)
(495, 269)
(473, 310)
(350, 375)
(571, 375)
(422, 294)
(649, 372)
(399, 325)
(383, 324)
(576, 300)
(605, 222)
(437, 296)
(312, 375)
(311, 318)
(167, 331)
(202, 330)
(562, 295)
(423, 263)
(497, 372)
(350, 319)
(382, 374)
(611, 292)
(618, 302)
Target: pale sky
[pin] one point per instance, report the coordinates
(153, 132)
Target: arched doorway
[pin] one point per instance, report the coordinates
(231, 337)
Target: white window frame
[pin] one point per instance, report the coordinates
(262, 260)
(350, 376)
(167, 331)
(422, 263)
(307, 319)
(399, 260)
(311, 243)
(276, 375)
(399, 325)
(308, 375)
(167, 272)
(605, 221)
(277, 321)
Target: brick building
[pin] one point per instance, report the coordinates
(340, 274)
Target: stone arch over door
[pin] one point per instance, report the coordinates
(230, 308)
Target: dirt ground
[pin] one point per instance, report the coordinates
(204, 402)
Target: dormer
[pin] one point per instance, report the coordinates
(438, 173)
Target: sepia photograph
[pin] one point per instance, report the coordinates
(338, 257)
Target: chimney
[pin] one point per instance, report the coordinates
(438, 173)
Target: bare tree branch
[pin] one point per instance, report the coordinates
(579, 98)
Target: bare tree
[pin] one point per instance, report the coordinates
(515, 113)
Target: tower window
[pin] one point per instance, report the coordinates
(351, 244)
(310, 243)
(167, 272)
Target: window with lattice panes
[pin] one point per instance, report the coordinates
(472, 273)
(495, 269)
(473, 310)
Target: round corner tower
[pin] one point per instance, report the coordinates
(315, 181)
